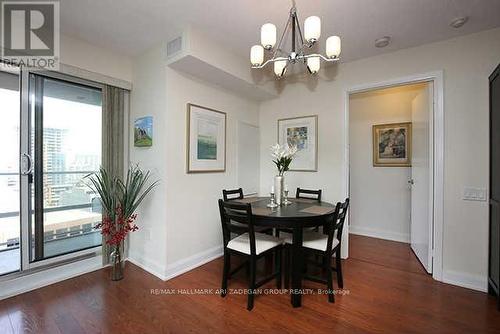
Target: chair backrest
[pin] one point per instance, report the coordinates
(341, 219)
(331, 224)
(232, 194)
(231, 212)
(308, 194)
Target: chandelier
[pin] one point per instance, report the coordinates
(300, 45)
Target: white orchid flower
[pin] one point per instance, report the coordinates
(283, 156)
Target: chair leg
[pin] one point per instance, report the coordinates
(325, 262)
(225, 273)
(268, 263)
(278, 253)
(251, 285)
(338, 268)
(329, 280)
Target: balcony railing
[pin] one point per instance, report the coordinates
(85, 228)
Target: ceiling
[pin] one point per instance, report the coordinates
(132, 26)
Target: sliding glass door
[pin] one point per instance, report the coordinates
(64, 146)
(10, 258)
(50, 135)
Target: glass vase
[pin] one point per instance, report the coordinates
(116, 263)
(279, 181)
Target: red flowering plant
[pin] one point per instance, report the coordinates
(116, 231)
(119, 200)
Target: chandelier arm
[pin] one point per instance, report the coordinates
(313, 55)
(272, 60)
(278, 47)
(300, 31)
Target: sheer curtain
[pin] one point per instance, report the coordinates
(113, 138)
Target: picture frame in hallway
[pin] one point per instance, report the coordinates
(392, 145)
(143, 132)
(303, 133)
(206, 140)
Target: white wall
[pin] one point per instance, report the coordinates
(467, 62)
(191, 232)
(380, 197)
(147, 246)
(180, 224)
(95, 59)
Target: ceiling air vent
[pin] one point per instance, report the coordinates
(174, 46)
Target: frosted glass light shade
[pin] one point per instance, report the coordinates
(313, 63)
(257, 55)
(312, 29)
(333, 46)
(280, 66)
(268, 35)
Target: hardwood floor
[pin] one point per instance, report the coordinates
(388, 292)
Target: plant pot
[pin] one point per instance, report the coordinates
(116, 263)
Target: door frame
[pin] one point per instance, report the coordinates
(437, 136)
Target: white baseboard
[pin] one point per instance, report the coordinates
(375, 233)
(465, 280)
(180, 267)
(29, 282)
(151, 267)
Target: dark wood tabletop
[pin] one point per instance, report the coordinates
(300, 213)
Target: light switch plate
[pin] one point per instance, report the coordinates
(147, 234)
(474, 194)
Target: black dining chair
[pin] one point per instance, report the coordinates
(232, 194)
(303, 194)
(308, 194)
(324, 244)
(250, 245)
(236, 194)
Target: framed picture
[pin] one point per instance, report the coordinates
(206, 140)
(301, 132)
(143, 132)
(392, 145)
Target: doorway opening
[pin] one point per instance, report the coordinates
(394, 156)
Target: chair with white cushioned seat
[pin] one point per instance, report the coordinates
(250, 244)
(326, 244)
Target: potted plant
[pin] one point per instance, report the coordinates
(283, 156)
(119, 199)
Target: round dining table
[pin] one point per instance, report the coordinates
(299, 214)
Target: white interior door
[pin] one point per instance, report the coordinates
(248, 158)
(421, 177)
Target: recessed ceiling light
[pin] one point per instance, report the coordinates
(459, 21)
(382, 42)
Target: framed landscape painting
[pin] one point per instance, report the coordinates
(206, 140)
(301, 132)
(143, 132)
(392, 145)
